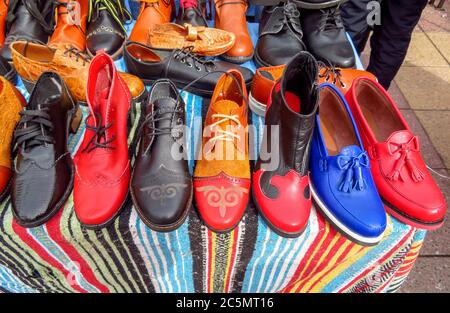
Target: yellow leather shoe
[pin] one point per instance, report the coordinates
(11, 103)
(33, 59)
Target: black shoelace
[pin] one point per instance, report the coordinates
(187, 57)
(331, 19)
(34, 128)
(79, 56)
(98, 140)
(331, 73)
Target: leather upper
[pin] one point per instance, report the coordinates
(44, 174)
(325, 37)
(222, 174)
(264, 81)
(67, 30)
(161, 184)
(340, 168)
(281, 173)
(31, 60)
(28, 20)
(11, 103)
(342, 78)
(399, 171)
(280, 36)
(152, 12)
(179, 66)
(101, 162)
(230, 16)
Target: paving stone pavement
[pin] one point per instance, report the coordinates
(422, 92)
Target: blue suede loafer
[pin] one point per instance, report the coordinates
(342, 185)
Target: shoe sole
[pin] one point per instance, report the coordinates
(277, 230)
(199, 92)
(29, 86)
(256, 106)
(414, 222)
(66, 194)
(362, 240)
(237, 60)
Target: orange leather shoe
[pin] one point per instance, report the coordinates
(32, 59)
(11, 103)
(204, 40)
(263, 82)
(152, 12)
(342, 78)
(222, 175)
(230, 16)
(3, 12)
(71, 19)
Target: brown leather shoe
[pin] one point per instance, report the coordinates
(205, 41)
(230, 16)
(11, 103)
(3, 11)
(31, 60)
(342, 78)
(152, 12)
(263, 82)
(71, 19)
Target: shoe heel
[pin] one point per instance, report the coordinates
(75, 119)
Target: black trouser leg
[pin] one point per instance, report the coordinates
(390, 39)
(354, 14)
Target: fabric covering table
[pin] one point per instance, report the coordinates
(127, 256)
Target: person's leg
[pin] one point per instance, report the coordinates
(390, 40)
(354, 15)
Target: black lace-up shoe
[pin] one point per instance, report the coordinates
(180, 66)
(27, 20)
(161, 186)
(280, 36)
(106, 29)
(43, 177)
(325, 36)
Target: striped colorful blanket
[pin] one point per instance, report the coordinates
(127, 256)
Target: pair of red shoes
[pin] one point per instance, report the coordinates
(102, 163)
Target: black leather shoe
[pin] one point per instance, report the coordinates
(280, 35)
(105, 27)
(325, 37)
(305, 4)
(190, 12)
(161, 186)
(7, 71)
(43, 177)
(28, 20)
(180, 66)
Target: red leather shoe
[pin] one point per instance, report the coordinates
(400, 174)
(281, 190)
(222, 175)
(102, 164)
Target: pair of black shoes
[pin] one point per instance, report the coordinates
(43, 171)
(317, 27)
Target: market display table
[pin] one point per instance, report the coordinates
(127, 256)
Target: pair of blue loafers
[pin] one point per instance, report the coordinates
(342, 184)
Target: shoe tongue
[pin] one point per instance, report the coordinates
(350, 151)
(399, 137)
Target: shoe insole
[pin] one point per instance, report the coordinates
(378, 112)
(293, 101)
(335, 124)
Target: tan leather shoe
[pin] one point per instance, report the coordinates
(70, 27)
(230, 16)
(31, 60)
(205, 41)
(263, 82)
(152, 12)
(342, 78)
(3, 12)
(222, 175)
(11, 103)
